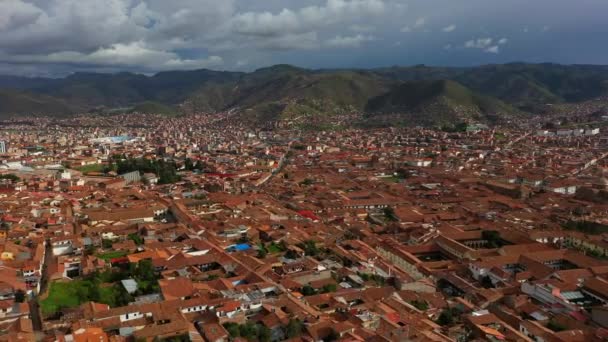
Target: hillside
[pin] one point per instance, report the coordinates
(438, 102)
(291, 93)
(150, 107)
(284, 92)
(17, 103)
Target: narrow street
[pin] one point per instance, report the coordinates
(44, 280)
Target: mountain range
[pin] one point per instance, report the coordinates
(419, 94)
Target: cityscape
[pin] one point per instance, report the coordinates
(303, 171)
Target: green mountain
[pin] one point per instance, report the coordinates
(440, 102)
(288, 93)
(24, 104)
(284, 92)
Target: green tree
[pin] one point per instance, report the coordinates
(290, 254)
(262, 252)
(445, 317)
(233, 329)
(389, 213)
(308, 290)
(136, 238)
(19, 296)
(309, 247)
(263, 334)
(421, 305)
(294, 328)
(329, 288)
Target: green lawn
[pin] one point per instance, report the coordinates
(273, 249)
(91, 168)
(112, 255)
(66, 295)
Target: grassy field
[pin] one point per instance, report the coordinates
(66, 295)
(91, 168)
(112, 255)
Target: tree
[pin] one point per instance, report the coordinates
(294, 328)
(290, 254)
(445, 317)
(486, 282)
(555, 326)
(421, 305)
(308, 290)
(19, 296)
(493, 238)
(309, 247)
(332, 336)
(264, 334)
(233, 329)
(262, 252)
(136, 238)
(11, 177)
(329, 288)
(307, 181)
(389, 212)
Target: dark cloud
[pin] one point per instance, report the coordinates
(59, 36)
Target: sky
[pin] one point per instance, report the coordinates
(59, 37)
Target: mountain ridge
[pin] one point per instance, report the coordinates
(290, 90)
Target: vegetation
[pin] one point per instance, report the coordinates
(421, 305)
(17, 102)
(102, 287)
(309, 247)
(19, 296)
(112, 255)
(308, 290)
(294, 328)
(493, 238)
(249, 331)
(441, 102)
(380, 281)
(150, 107)
(93, 168)
(10, 177)
(136, 238)
(438, 94)
(592, 228)
(389, 213)
(448, 316)
(166, 171)
(555, 326)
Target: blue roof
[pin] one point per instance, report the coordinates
(242, 247)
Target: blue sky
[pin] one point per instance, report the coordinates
(57, 37)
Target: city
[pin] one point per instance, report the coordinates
(303, 171)
(200, 228)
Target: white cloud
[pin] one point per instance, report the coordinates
(447, 47)
(135, 55)
(305, 19)
(420, 22)
(488, 45)
(449, 28)
(348, 42)
(480, 43)
(493, 49)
